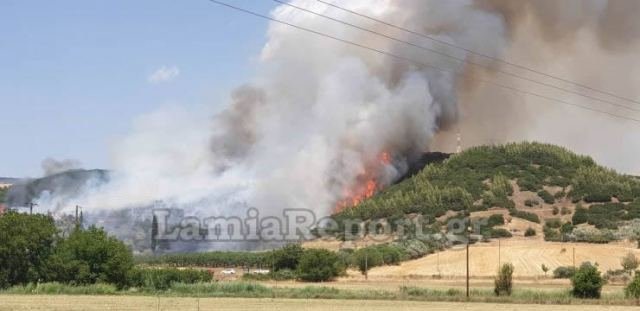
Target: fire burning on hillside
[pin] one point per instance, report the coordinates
(366, 185)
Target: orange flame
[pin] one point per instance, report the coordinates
(366, 184)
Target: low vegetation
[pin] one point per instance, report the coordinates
(504, 280)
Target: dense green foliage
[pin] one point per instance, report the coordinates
(633, 289)
(319, 265)
(460, 180)
(90, 256)
(481, 177)
(525, 215)
(287, 257)
(587, 282)
(504, 280)
(367, 258)
(546, 197)
(26, 241)
(208, 259)
(607, 215)
(163, 279)
(31, 251)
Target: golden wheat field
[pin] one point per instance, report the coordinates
(527, 256)
(90, 303)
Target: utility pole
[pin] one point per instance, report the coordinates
(366, 265)
(499, 253)
(78, 215)
(459, 141)
(468, 231)
(31, 205)
(468, 266)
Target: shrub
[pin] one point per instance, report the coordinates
(525, 215)
(554, 223)
(495, 220)
(560, 194)
(629, 262)
(551, 234)
(546, 197)
(566, 228)
(565, 211)
(564, 272)
(633, 289)
(592, 235)
(496, 233)
(555, 210)
(580, 215)
(319, 265)
(587, 282)
(504, 280)
(531, 203)
(530, 232)
(391, 254)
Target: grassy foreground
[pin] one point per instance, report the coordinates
(64, 302)
(255, 290)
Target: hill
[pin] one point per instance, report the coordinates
(552, 189)
(67, 183)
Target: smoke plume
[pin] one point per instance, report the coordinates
(51, 166)
(321, 117)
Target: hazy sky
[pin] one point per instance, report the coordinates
(75, 73)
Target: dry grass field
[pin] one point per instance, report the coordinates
(90, 303)
(527, 255)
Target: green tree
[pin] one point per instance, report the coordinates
(286, 257)
(154, 233)
(587, 282)
(367, 258)
(545, 269)
(26, 241)
(90, 256)
(504, 280)
(319, 265)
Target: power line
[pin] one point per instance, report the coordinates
(493, 58)
(462, 60)
(415, 61)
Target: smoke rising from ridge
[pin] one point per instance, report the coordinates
(51, 166)
(319, 114)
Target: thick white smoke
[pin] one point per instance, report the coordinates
(319, 112)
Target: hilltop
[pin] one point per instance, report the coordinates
(547, 188)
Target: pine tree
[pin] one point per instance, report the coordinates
(154, 233)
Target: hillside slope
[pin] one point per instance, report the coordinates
(568, 196)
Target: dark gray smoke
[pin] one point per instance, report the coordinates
(51, 166)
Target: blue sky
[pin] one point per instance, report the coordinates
(75, 73)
